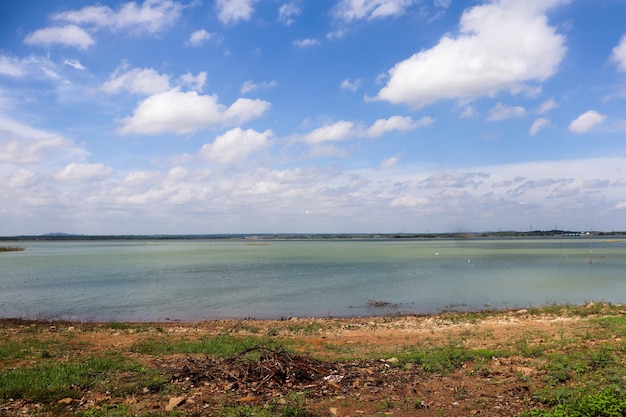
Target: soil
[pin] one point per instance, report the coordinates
(369, 383)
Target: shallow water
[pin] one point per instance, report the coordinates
(210, 279)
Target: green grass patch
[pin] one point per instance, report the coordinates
(218, 346)
(308, 328)
(604, 404)
(613, 324)
(120, 410)
(31, 348)
(440, 360)
(53, 381)
(293, 405)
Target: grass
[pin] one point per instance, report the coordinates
(217, 346)
(50, 382)
(441, 360)
(579, 370)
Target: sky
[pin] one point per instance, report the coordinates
(312, 116)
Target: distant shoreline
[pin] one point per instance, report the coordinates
(317, 236)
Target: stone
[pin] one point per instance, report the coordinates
(174, 402)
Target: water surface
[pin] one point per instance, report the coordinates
(209, 279)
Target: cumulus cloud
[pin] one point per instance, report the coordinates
(143, 81)
(454, 179)
(198, 37)
(540, 123)
(195, 82)
(337, 131)
(69, 35)
(586, 121)
(187, 112)
(151, 16)
(345, 130)
(397, 123)
(288, 12)
(619, 54)
(501, 112)
(23, 144)
(352, 10)
(235, 146)
(500, 46)
(231, 11)
(84, 172)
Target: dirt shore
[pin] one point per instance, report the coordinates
(488, 364)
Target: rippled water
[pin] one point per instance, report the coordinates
(209, 279)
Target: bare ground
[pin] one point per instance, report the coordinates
(346, 367)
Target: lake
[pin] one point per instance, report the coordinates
(192, 280)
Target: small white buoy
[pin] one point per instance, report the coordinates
(468, 261)
(436, 253)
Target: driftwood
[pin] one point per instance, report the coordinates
(262, 372)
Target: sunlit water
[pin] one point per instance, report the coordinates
(210, 279)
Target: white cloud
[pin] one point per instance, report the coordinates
(619, 54)
(11, 67)
(250, 86)
(388, 162)
(74, 63)
(345, 130)
(586, 121)
(151, 16)
(468, 111)
(540, 123)
(500, 46)
(303, 43)
(69, 35)
(501, 112)
(187, 112)
(288, 12)
(143, 81)
(397, 123)
(351, 10)
(231, 11)
(32, 66)
(23, 178)
(350, 85)
(23, 144)
(84, 172)
(547, 105)
(198, 37)
(195, 82)
(235, 146)
(337, 131)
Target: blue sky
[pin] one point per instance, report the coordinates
(254, 116)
